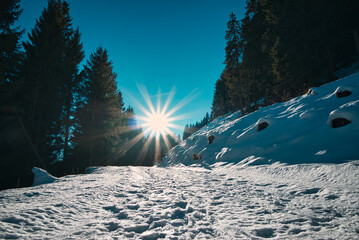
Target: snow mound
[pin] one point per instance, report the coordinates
(321, 126)
(42, 177)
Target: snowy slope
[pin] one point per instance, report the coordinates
(277, 201)
(298, 131)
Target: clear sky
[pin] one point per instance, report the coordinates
(157, 44)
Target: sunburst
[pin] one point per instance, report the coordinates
(160, 121)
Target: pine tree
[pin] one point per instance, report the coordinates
(133, 139)
(99, 130)
(220, 103)
(12, 140)
(307, 40)
(10, 54)
(233, 51)
(192, 128)
(49, 78)
(256, 65)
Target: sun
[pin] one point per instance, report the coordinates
(158, 119)
(157, 122)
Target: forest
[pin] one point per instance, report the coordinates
(61, 116)
(279, 50)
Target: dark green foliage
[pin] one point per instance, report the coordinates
(282, 48)
(220, 101)
(306, 41)
(10, 54)
(234, 49)
(133, 139)
(13, 171)
(47, 85)
(97, 136)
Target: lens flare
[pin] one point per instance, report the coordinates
(157, 122)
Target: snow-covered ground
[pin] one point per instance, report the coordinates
(298, 131)
(287, 171)
(310, 201)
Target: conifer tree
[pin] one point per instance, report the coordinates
(256, 65)
(220, 103)
(48, 83)
(307, 40)
(11, 134)
(233, 51)
(10, 54)
(133, 138)
(99, 130)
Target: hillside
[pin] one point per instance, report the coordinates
(321, 126)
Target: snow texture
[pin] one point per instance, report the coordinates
(321, 126)
(309, 191)
(225, 201)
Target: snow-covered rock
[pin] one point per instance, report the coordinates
(321, 126)
(41, 177)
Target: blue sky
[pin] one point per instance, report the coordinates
(158, 44)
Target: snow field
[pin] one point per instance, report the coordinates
(225, 201)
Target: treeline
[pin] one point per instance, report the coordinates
(281, 48)
(189, 129)
(55, 114)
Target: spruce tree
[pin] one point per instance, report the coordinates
(220, 103)
(256, 65)
(10, 54)
(12, 139)
(48, 84)
(97, 139)
(133, 139)
(233, 51)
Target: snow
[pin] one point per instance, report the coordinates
(41, 177)
(224, 201)
(308, 129)
(282, 172)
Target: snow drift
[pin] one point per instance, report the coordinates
(41, 177)
(321, 126)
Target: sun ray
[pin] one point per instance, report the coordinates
(168, 101)
(175, 126)
(157, 150)
(183, 102)
(144, 150)
(146, 97)
(166, 141)
(133, 141)
(158, 120)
